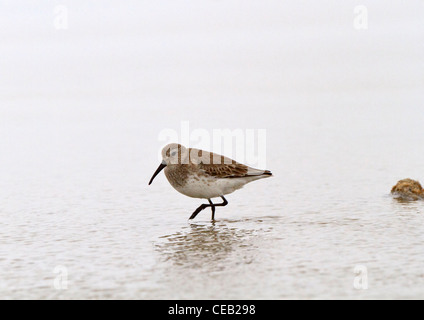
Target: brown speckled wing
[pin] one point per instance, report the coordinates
(216, 165)
(235, 170)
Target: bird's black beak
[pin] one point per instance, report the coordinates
(159, 169)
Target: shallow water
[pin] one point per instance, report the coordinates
(80, 118)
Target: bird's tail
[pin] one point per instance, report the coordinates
(267, 173)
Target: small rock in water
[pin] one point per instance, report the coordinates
(408, 189)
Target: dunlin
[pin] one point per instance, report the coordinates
(205, 175)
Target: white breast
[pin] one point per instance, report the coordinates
(209, 187)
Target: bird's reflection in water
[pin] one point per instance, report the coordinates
(205, 245)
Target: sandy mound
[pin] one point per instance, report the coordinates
(408, 189)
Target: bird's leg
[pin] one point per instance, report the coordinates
(224, 203)
(203, 206)
(212, 205)
(212, 208)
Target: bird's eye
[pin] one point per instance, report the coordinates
(173, 153)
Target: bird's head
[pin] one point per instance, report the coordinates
(172, 154)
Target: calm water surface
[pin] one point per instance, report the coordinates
(85, 205)
(80, 119)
